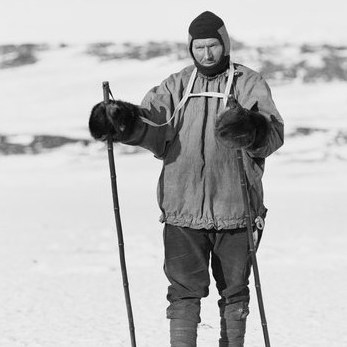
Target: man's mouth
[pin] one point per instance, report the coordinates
(208, 62)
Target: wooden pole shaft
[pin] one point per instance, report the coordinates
(106, 93)
(252, 248)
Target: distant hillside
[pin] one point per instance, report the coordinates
(279, 62)
(19, 55)
(60, 84)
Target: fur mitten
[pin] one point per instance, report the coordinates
(237, 127)
(119, 123)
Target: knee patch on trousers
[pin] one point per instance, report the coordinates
(237, 311)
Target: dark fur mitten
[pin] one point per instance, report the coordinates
(237, 127)
(99, 124)
(119, 123)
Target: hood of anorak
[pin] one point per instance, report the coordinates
(204, 27)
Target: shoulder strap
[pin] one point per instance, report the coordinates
(180, 104)
(229, 83)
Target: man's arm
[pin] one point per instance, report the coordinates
(125, 124)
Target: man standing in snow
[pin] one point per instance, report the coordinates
(194, 121)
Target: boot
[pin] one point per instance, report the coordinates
(183, 333)
(233, 324)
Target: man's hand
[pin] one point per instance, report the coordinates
(118, 121)
(237, 127)
(234, 127)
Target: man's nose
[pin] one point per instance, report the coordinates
(207, 53)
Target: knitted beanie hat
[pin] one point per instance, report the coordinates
(209, 25)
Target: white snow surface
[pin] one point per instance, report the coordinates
(61, 281)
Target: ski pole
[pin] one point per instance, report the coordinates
(106, 91)
(248, 217)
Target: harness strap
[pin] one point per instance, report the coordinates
(208, 94)
(229, 84)
(188, 94)
(180, 104)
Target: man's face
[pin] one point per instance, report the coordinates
(207, 52)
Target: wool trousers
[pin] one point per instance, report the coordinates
(188, 254)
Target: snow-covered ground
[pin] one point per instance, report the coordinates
(60, 282)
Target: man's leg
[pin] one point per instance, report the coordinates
(231, 269)
(186, 267)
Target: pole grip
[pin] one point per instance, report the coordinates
(106, 90)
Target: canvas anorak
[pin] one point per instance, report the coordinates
(199, 186)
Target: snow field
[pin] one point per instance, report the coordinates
(60, 276)
(62, 281)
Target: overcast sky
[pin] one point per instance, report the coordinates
(81, 21)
